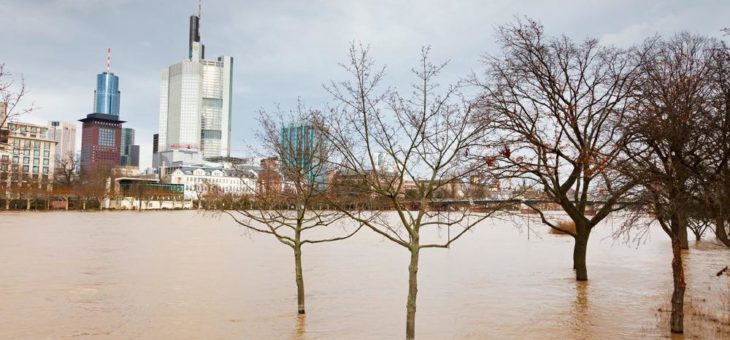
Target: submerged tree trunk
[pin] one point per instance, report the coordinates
(677, 318)
(696, 232)
(720, 231)
(582, 232)
(412, 294)
(683, 237)
(299, 278)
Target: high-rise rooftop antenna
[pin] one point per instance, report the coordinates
(200, 8)
(108, 60)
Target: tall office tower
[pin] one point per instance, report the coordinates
(65, 134)
(101, 133)
(195, 101)
(107, 95)
(125, 146)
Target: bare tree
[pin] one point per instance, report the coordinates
(93, 185)
(698, 226)
(714, 174)
(65, 169)
(65, 178)
(387, 142)
(12, 94)
(558, 105)
(669, 125)
(291, 211)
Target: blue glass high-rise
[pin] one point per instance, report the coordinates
(299, 147)
(106, 99)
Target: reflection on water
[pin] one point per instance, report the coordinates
(181, 275)
(299, 329)
(580, 311)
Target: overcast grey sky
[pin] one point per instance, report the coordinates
(287, 49)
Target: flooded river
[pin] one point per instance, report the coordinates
(182, 275)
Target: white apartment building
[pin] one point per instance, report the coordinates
(28, 155)
(199, 180)
(195, 102)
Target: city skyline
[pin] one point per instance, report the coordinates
(285, 50)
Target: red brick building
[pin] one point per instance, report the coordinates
(101, 137)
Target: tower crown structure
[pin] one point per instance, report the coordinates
(196, 49)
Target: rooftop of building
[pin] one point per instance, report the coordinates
(101, 117)
(17, 124)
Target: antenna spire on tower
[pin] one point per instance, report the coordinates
(200, 8)
(108, 60)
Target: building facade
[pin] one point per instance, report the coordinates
(195, 101)
(28, 157)
(299, 146)
(133, 156)
(200, 180)
(174, 157)
(100, 142)
(64, 133)
(155, 143)
(128, 151)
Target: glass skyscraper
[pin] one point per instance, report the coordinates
(195, 101)
(299, 147)
(106, 96)
(126, 146)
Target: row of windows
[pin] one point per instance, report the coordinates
(28, 144)
(213, 180)
(26, 168)
(203, 187)
(215, 103)
(36, 161)
(26, 160)
(210, 134)
(24, 178)
(22, 129)
(36, 153)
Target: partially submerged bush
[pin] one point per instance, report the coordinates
(565, 225)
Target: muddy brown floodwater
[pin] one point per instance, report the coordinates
(182, 275)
